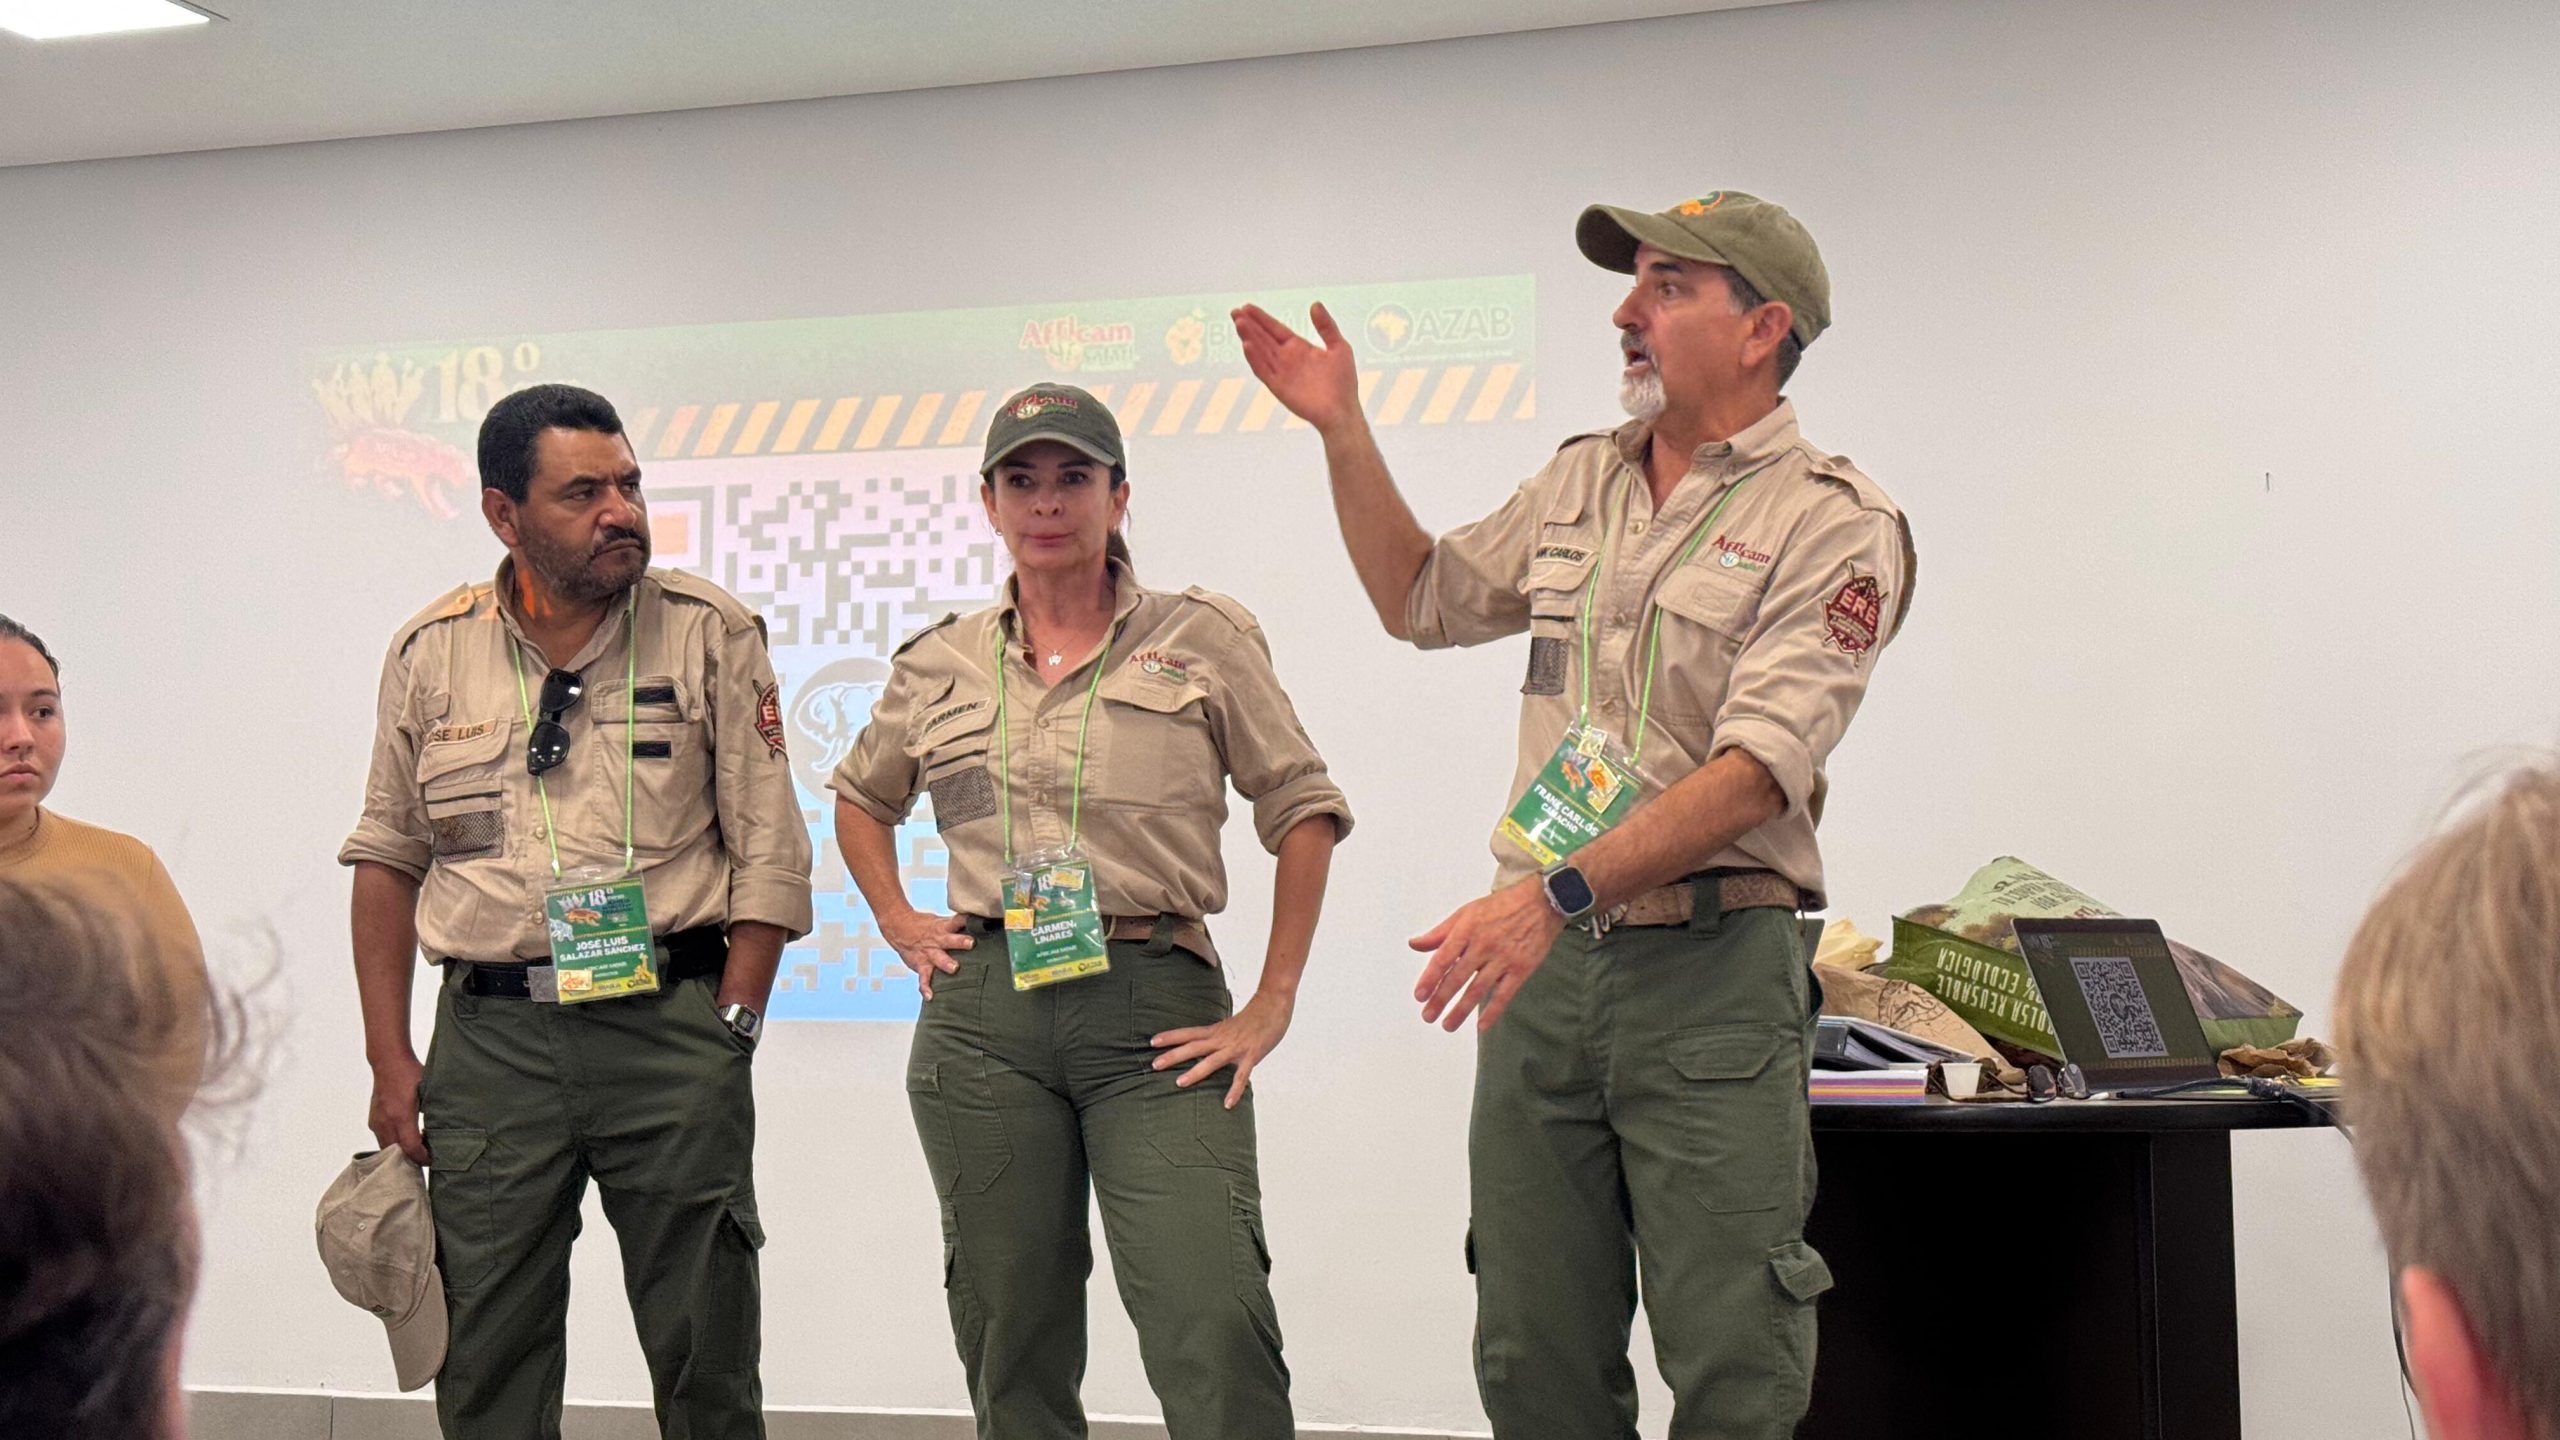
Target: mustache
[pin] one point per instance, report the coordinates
(621, 537)
(1633, 348)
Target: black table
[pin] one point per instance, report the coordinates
(2059, 1270)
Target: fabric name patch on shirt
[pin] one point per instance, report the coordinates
(1570, 554)
(949, 713)
(447, 734)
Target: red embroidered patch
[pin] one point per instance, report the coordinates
(1854, 615)
(769, 718)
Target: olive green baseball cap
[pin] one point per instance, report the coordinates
(1053, 412)
(1757, 238)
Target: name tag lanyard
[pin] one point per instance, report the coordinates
(597, 922)
(1052, 922)
(1590, 783)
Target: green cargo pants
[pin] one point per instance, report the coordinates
(1640, 1110)
(651, 1096)
(1020, 1098)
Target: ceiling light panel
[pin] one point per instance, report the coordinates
(63, 19)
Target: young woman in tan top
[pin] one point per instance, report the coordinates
(39, 847)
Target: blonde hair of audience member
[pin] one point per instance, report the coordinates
(97, 1232)
(2449, 1019)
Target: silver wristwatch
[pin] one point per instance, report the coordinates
(743, 1021)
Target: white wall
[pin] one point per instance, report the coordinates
(2207, 343)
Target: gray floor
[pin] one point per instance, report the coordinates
(267, 1415)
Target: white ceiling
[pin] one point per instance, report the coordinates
(276, 71)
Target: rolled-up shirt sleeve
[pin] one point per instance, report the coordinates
(393, 829)
(1468, 590)
(761, 825)
(1836, 600)
(1266, 749)
(877, 776)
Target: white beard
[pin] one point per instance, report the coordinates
(1641, 396)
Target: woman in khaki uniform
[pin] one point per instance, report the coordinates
(1082, 731)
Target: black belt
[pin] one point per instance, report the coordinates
(683, 955)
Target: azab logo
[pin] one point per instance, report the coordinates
(1395, 328)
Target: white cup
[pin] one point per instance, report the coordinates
(1960, 1078)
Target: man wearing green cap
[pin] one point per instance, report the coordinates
(1705, 595)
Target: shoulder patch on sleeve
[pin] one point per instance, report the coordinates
(1236, 614)
(910, 642)
(453, 604)
(733, 611)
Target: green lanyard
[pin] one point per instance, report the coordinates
(1004, 740)
(630, 722)
(1653, 614)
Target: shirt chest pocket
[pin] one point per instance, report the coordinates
(1151, 743)
(953, 745)
(460, 784)
(1705, 612)
(1560, 573)
(660, 720)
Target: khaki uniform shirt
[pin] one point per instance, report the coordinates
(1187, 699)
(1769, 629)
(716, 827)
(118, 875)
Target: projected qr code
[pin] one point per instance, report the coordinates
(845, 556)
(857, 561)
(2126, 1028)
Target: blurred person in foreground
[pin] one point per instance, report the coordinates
(98, 1240)
(2448, 1014)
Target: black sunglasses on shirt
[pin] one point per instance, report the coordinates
(549, 743)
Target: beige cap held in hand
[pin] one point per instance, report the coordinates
(379, 1241)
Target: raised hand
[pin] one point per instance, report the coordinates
(1319, 384)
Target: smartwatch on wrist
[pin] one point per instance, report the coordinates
(1568, 893)
(742, 1021)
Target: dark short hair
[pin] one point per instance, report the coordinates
(12, 630)
(1746, 298)
(97, 1236)
(514, 428)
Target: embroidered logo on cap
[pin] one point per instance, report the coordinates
(1031, 407)
(1701, 205)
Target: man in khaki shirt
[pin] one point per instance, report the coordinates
(1709, 592)
(581, 711)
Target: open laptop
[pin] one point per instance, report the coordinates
(2118, 1008)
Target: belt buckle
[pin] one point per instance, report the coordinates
(1604, 921)
(542, 984)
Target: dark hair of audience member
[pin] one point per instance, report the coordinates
(97, 1229)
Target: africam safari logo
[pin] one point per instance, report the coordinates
(372, 446)
(1072, 346)
(1394, 328)
(1733, 554)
